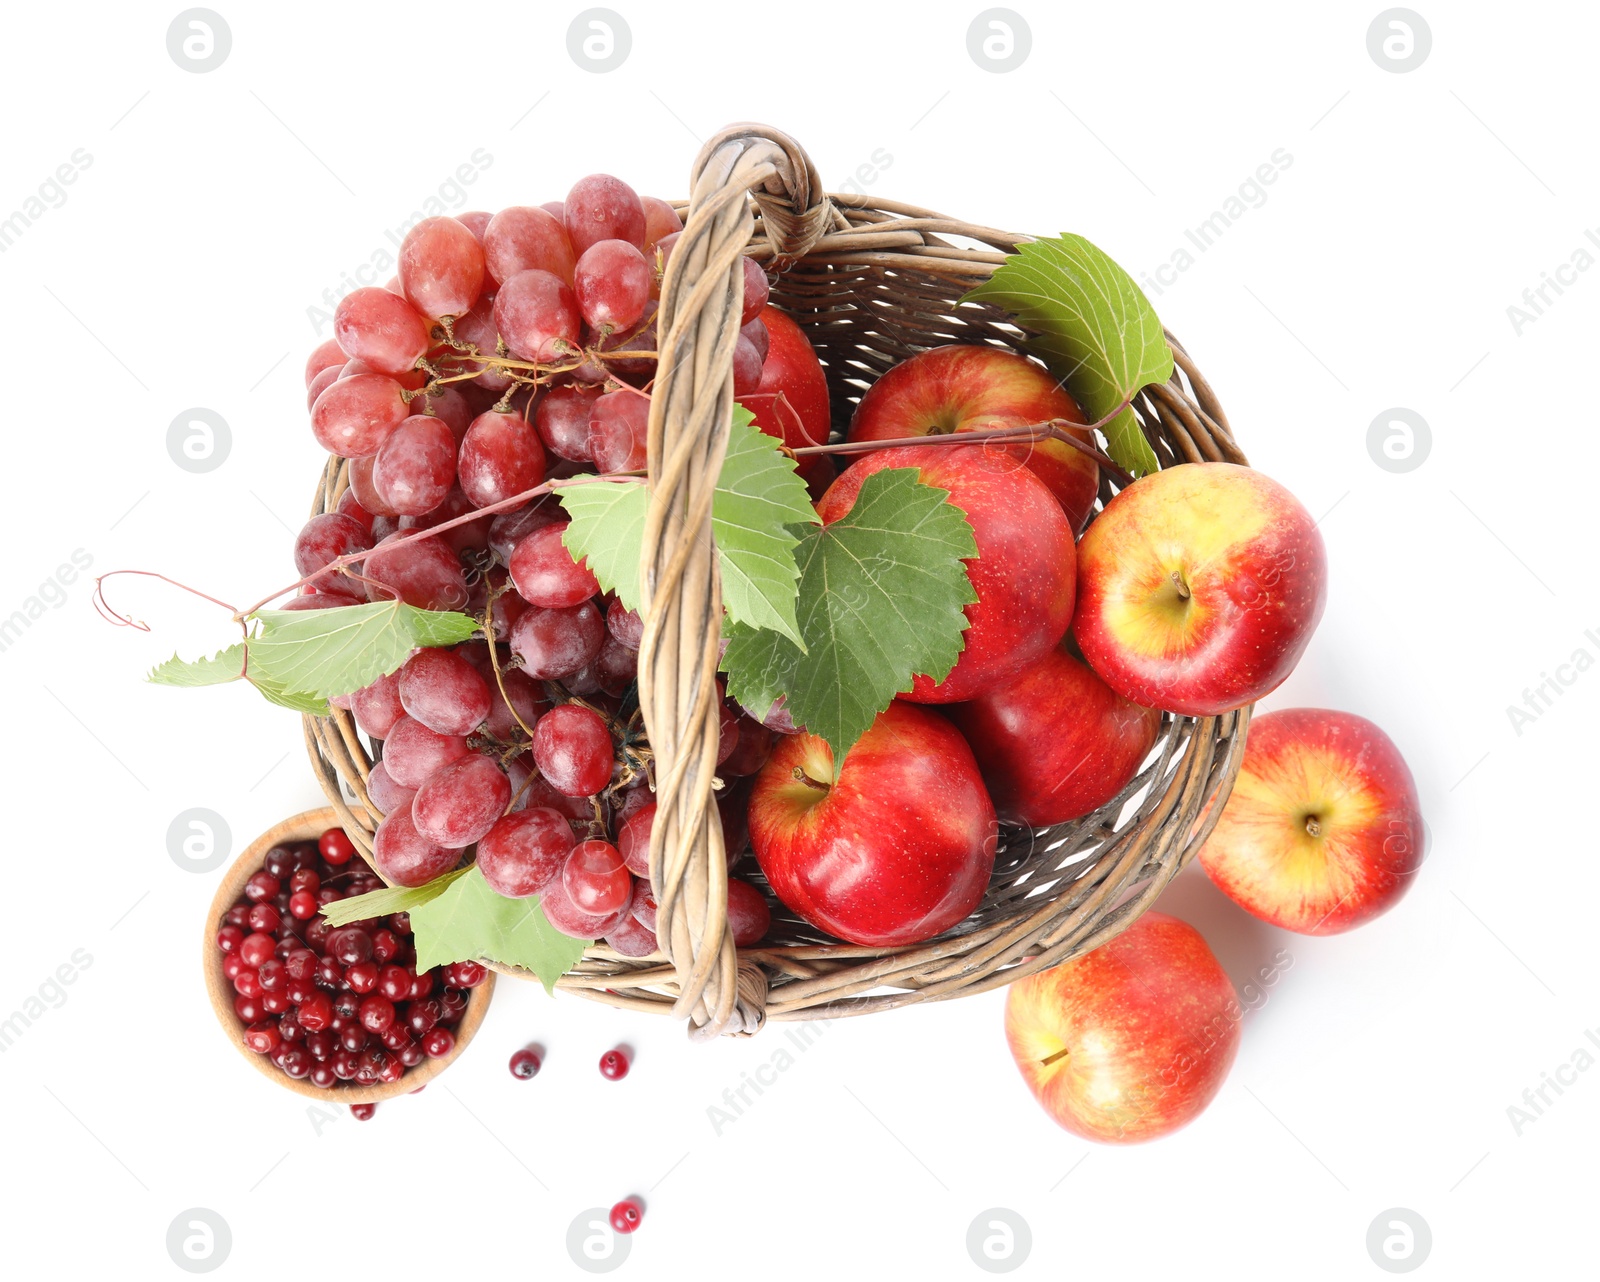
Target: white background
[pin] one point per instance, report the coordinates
(179, 272)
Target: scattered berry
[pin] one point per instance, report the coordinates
(524, 1064)
(625, 1215)
(614, 1065)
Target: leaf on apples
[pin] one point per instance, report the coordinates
(470, 922)
(881, 600)
(389, 900)
(225, 666)
(1092, 326)
(758, 500)
(339, 651)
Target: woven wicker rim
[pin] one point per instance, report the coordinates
(308, 827)
(872, 281)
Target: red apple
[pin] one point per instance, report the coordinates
(967, 389)
(1131, 1041)
(1323, 830)
(1055, 742)
(791, 401)
(894, 847)
(1024, 573)
(1199, 588)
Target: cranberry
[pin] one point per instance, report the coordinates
(394, 982)
(304, 879)
(452, 1005)
(343, 1064)
(265, 918)
(411, 1054)
(263, 1037)
(232, 964)
(363, 1112)
(396, 1037)
(362, 977)
(524, 1064)
(257, 948)
(275, 1003)
(303, 905)
(336, 846)
(247, 983)
(400, 923)
(272, 975)
(329, 895)
(279, 861)
(614, 1065)
(298, 990)
(262, 885)
(439, 1043)
(296, 1061)
(317, 1013)
(625, 1215)
(238, 915)
(392, 1072)
(376, 1013)
(289, 1027)
(349, 945)
(422, 985)
(464, 974)
(301, 963)
(229, 938)
(421, 1017)
(322, 1043)
(386, 946)
(317, 932)
(322, 1075)
(346, 1005)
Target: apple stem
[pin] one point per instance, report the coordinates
(800, 776)
(1183, 588)
(1051, 1059)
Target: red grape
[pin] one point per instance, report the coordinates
(470, 534)
(404, 856)
(660, 219)
(556, 643)
(632, 938)
(477, 327)
(538, 317)
(352, 417)
(509, 528)
(595, 880)
(475, 221)
(366, 492)
(318, 385)
(380, 329)
(756, 332)
(524, 237)
(601, 207)
(564, 915)
(615, 667)
(326, 355)
(441, 267)
(751, 749)
(573, 750)
(385, 793)
(612, 285)
(746, 367)
(500, 457)
(749, 918)
(450, 404)
(562, 420)
(618, 425)
(633, 840)
(349, 505)
(545, 572)
(414, 753)
(443, 691)
(461, 802)
(525, 697)
(624, 624)
(524, 851)
(325, 538)
(424, 573)
(756, 291)
(416, 465)
(644, 908)
(377, 706)
(314, 600)
(557, 209)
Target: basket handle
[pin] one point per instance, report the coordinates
(691, 408)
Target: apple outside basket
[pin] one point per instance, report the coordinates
(872, 282)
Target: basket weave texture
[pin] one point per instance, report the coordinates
(872, 282)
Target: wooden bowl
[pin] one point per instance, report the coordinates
(308, 827)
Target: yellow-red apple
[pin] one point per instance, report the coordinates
(1199, 587)
(1323, 830)
(968, 389)
(1131, 1041)
(1055, 742)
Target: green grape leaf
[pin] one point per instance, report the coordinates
(605, 526)
(224, 667)
(391, 899)
(338, 651)
(881, 600)
(1092, 326)
(470, 922)
(758, 500)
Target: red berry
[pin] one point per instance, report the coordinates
(614, 1065)
(303, 905)
(229, 938)
(625, 1215)
(363, 1112)
(263, 1037)
(336, 846)
(438, 1043)
(524, 1064)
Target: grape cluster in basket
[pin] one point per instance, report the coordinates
(327, 1003)
(511, 350)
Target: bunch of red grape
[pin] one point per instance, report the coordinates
(328, 1003)
(511, 350)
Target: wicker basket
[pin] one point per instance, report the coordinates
(872, 281)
